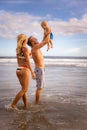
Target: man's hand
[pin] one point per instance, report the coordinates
(46, 40)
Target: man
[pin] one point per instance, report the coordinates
(39, 64)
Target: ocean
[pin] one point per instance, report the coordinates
(63, 102)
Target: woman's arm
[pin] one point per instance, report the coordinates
(27, 57)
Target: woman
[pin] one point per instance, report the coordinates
(23, 70)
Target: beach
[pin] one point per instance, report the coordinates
(63, 103)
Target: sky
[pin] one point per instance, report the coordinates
(67, 18)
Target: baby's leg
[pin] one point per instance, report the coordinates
(48, 46)
(51, 43)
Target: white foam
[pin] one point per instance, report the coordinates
(50, 61)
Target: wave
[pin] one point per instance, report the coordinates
(79, 62)
(67, 62)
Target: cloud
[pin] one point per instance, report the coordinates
(12, 24)
(79, 51)
(71, 27)
(74, 50)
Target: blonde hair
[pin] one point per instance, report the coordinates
(21, 42)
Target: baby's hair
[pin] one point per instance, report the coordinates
(44, 22)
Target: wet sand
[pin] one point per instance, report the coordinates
(63, 103)
(48, 115)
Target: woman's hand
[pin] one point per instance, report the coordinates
(33, 75)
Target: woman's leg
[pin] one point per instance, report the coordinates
(23, 76)
(25, 100)
(26, 84)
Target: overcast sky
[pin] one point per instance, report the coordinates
(68, 20)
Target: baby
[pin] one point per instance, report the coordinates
(47, 34)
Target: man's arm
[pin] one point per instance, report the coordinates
(40, 45)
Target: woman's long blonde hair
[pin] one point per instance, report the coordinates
(21, 42)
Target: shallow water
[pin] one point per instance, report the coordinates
(63, 103)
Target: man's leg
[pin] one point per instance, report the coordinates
(39, 83)
(38, 95)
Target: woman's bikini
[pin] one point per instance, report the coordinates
(22, 57)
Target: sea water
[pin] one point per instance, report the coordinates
(63, 101)
(64, 76)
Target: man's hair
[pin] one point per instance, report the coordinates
(29, 41)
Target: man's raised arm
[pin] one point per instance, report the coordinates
(40, 45)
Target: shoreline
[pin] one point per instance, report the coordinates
(48, 115)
